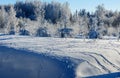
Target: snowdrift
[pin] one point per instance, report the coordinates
(91, 57)
(23, 64)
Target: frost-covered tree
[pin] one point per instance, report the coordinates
(52, 11)
(3, 16)
(22, 24)
(25, 9)
(100, 12)
(116, 24)
(93, 31)
(12, 21)
(65, 14)
(37, 18)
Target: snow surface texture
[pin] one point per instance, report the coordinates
(24, 64)
(92, 57)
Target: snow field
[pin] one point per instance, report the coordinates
(94, 57)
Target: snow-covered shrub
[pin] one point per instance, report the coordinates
(24, 32)
(42, 32)
(93, 34)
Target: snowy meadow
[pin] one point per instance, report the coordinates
(89, 57)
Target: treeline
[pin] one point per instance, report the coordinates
(36, 18)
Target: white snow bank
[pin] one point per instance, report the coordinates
(95, 57)
(24, 64)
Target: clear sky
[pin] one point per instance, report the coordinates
(89, 5)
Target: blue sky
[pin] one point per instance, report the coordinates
(89, 5)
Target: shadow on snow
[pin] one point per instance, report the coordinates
(23, 64)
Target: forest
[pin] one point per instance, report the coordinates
(54, 19)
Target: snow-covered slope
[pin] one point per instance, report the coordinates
(92, 57)
(25, 64)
